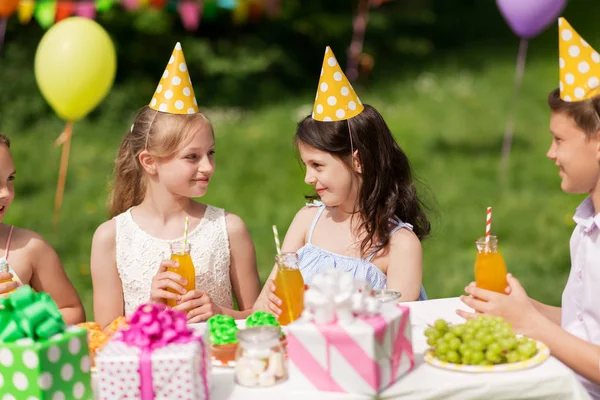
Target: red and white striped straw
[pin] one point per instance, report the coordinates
(488, 226)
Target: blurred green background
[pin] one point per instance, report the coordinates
(442, 78)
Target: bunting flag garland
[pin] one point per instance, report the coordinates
(49, 12)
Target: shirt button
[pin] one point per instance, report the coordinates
(580, 316)
(580, 273)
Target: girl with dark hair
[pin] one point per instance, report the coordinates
(369, 220)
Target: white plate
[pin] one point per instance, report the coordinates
(541, 356)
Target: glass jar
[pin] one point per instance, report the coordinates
(260, 360)
(490, 269)
(289, 287)
(386, 296)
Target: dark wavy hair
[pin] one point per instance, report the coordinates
(388, 188)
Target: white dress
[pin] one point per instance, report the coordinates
(139, 255)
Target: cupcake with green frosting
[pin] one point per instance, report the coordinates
(261, 318)
(222, 334)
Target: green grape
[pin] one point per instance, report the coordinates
(458, 330)
(488, 339)
(476, 345)
(492, 357)
(504, 344)
(449, 336)
(468, 337)
(477, 357)
(523, 340)
(464, 347)
(440, 325)
(467, 355)
(527, 350)
(481, 334)
(441, 357)
(513, 357)
(477, 325)
(453, 356)
(504, 331)
(441, 347)
(486, 362)
(499, 320)
(454, 343)
(495, 348)
(429, 332)
(469, 330)
(512, 343)
(432, 341)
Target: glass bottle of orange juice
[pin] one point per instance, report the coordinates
(490, 269)
(289, 287)
(4, 268)
(181, 253)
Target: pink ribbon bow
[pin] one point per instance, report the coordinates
(153, 326)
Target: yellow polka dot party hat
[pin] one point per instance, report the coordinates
(579, 65)
(174, 93)
(336, 99)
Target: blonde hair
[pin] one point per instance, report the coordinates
(585, 113)
(162, 135)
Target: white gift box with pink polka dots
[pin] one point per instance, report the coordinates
(179, 371)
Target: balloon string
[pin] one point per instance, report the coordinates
(65, 140)
(358, 39)
(510, 124)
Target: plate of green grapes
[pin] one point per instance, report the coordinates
(482, 344)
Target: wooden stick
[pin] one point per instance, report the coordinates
(65, 141)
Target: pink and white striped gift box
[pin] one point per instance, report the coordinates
(363, 356)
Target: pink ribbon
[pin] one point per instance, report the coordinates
(401, 345)
(153, 326)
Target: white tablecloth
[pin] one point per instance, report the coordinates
(550, 380)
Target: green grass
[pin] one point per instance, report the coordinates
(449, 119)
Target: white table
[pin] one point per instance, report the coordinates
(550, 380)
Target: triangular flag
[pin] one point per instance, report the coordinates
(8, 8)
(45, 13)
(255, 11)
(227, 4)
(175, 94)
(190, 13)
(211, 10)
(159, 3)
(26, 8)
(579, 65)
(104, 5)
(131, 4)
(64, 9)
(240, 13)
(336, 99)
(86, 9)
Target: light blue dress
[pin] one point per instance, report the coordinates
(313, 260)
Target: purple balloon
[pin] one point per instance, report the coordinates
(529, 18)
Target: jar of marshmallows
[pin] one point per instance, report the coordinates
(260, 359)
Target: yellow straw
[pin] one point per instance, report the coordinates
(277, 245)
(185, 232)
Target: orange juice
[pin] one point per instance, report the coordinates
(289, 287)
(4, 268)
(490, 269)
(186, 268)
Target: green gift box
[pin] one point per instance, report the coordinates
(39, 358)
